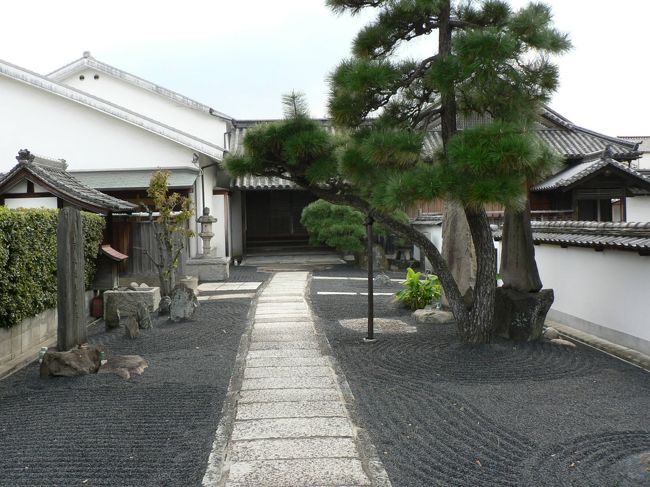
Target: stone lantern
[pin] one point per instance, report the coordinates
(206, 234)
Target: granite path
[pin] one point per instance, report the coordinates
(291, 424)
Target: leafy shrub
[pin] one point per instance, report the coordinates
(340, 226)
(28, 260)
(419, 293)
(336, 226)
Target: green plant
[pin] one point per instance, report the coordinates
(174, 212)
(28, 260)
(418, 293)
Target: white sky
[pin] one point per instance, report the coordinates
(239, 57)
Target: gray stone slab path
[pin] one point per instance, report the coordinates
(291, 426)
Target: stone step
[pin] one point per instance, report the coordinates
(301, 371)
(288, 383)
(289, 395)
(247, 450)
(298, 473)
(291, 428)
(284, 409)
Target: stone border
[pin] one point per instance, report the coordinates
(217, 469)
(370, 459)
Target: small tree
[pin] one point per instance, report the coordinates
(174, 211)
(336, 226)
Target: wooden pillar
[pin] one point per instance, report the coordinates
(71, 328)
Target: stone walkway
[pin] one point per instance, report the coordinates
(292, 427)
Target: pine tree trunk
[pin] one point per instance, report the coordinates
(480, 326)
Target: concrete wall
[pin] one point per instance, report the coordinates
(157, 107)
(20, 344)
(638, 209)
(56, 127)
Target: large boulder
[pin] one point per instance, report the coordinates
(520, 315)
(78, 361)
(183, 303)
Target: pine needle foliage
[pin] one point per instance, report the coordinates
(492, 67)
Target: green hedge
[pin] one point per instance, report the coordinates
(28, 260)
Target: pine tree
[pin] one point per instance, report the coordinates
(491, 66)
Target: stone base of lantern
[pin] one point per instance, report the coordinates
(208, 269)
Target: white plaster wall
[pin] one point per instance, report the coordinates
(152, 105)
(638, 209)
(21, 187)
(609, 288)
(219, 229)
(44, 202)
(56, 127)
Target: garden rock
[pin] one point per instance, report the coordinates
(433, 316)
(382, 280)
(78, 361)
(124, 366)
(520, 315)
(134, 286)
(111, 314)
(183, 303)
(551, 333)
(563, 343)
(163, 307)
(132, 330)
(143, 317)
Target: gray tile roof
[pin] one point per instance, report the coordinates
(261, 182)
(598, 235)
(574, 173)
(129, 179)
(52, 175)
(568, 140)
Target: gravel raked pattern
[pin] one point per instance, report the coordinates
(154, 430)
(291, 426)
(506, 414)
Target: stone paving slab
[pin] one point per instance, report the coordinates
(286, 362)
(285, 353)
(282, 319)
(291, 428)
(294, 335)
(298, 473)
(282, 395)
(296, 345)
(300, 371)
(333, 447)
(288, 383)
(294, 409)
(282, 327)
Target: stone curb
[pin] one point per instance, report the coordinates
(623, 353)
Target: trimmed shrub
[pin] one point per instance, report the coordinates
(28, 260)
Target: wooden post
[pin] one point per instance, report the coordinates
(71, 329)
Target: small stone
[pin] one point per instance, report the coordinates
(433, 316)
(78, 361)
(134, 285)
(111, 314)
(144, 284)
(132, 330)
(551, 333)
(562, 343)
(183, 303)
(143, 317)
(382, 280)
(163, 307)
(124, 365)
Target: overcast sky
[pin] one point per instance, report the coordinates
(239, 57)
